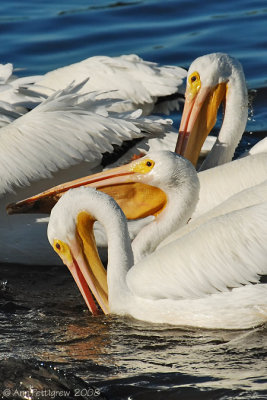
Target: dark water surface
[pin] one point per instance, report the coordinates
(45, 325)
(48, 340)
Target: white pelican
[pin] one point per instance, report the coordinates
(214, 79)
(61, 139)
(209, 278)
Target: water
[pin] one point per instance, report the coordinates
(43, 319)
(49, 340)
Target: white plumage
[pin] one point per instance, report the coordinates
(220, 183)
(242, 199)
(128, 77)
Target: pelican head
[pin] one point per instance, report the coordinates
(70, 233)
(212, 80)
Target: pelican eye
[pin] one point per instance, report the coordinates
(143, 166)
(149, 163)
(59, 246)
(63, 250)
(194, 77)
(194, 84)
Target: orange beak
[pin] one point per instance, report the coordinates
(198, 119)
(82, 259)
(124, 184)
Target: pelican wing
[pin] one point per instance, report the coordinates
(226, 252)
(64, 130)
(132, 78)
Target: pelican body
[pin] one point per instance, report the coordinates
(199, 280)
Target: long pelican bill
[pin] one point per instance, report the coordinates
(88, 276)
(199, 117)
(124, 184)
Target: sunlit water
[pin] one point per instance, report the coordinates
(43, 321)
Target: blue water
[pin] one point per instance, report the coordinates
(40, 36)
(47, 326)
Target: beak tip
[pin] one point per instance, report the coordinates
(11, 208)
(37, 206)
(20, 208)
